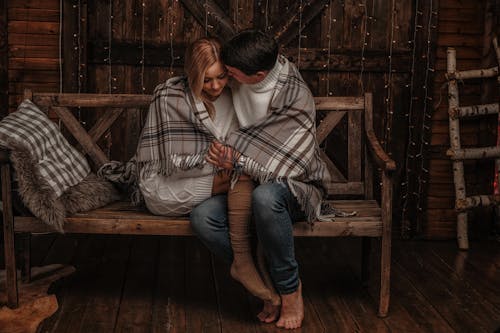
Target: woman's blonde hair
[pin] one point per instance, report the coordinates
(200, 55)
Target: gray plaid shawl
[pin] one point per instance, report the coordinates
(175, 134)
(284, 143)
(60, 165)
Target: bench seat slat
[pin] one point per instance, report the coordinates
(123, 218)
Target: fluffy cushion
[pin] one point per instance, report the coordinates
(40, 198)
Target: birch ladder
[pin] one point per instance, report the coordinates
(459, 154)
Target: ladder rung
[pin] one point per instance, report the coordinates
(473, 74)
(474, 110)
(477, 201)
(474, 153)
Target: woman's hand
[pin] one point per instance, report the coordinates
(222, 156)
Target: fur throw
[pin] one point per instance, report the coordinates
(42, 200)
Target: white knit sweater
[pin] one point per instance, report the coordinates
(251, 101)
(180, 192)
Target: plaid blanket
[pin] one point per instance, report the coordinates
(284, 143)
(175, 134)
(59, 164)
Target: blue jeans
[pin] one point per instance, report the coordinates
(274, 210)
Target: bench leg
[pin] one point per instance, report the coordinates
(8, 233)
(385, 277)
(366, 247)
(385, 253)
(26, 258)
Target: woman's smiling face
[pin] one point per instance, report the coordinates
(215, 80)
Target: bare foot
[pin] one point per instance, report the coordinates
(269, 312)
(292, 310)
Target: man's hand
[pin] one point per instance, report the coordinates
(222, 156)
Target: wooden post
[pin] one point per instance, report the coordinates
(8, 234)
(458, 165)
(4, 60)
(385, 269)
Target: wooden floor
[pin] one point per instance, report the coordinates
(172, 284)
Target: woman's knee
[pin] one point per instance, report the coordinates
(269, 197)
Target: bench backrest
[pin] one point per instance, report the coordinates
(353, 177)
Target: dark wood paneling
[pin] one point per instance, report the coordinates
(4, 60)
(132, 46)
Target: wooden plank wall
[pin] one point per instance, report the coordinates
(4, 60)
(33, 32)
(462, 26)
(346, 47)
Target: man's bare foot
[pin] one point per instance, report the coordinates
(292, 310)
(269, 312)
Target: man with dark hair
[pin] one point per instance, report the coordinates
(276, 145)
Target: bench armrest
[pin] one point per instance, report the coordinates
(382, 159)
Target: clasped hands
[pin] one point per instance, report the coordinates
(222, 156)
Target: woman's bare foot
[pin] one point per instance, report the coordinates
(292, 310)
(269, 312)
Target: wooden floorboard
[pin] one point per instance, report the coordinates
(461, 305)
(101, 314)
(173, 284)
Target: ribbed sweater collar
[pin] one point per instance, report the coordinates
(269, 81)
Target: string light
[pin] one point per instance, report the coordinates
(328, 92)
(267, 15)
(364, 43)
(78, 48)
(236, 16)
(206, 18)
(388, 84)
(426, 114)
(411, 144)
(79, 52)
(171, 35)
(142, 46)
(60, 49)
(110, 35)
(300, 33)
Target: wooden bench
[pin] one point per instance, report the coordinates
(355, 189)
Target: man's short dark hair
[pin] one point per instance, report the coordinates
(250, 51)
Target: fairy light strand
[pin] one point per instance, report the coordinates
(300, 33)
(388, 85)
(110, 36)
(206, 18)
(328, 93)
(426, 114)
(142, 47)
(363, 45)
(267, 15)
(171, 35)
(236, 16)
(411, 143)
(79, 41)
(60, 46)
(79, 50)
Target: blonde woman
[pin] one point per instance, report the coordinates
(186, 115)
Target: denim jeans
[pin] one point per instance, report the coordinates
(274, 210)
